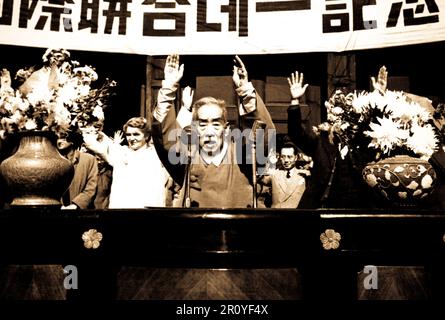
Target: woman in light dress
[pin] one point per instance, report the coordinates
(139, 178)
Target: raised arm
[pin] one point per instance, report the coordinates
(298, 125)
(296, 87)
(165, 129)
(184, 117)
(245, 90)
(164, 113)
(173, 73)
(100, 144)
(251, 105)
(381, 83)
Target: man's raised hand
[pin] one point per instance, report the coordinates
(382, 80)
(240, 76)
(187, 97)
(173, 72)
(296, 87)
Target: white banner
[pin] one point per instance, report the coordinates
(156, 27)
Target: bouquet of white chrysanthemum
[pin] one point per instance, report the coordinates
(58, 97)
(380, 124)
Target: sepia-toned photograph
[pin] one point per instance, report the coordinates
(221, 157)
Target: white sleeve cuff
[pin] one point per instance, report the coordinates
(184, 117)
(245, 90)
(248, 98)
(166, 98)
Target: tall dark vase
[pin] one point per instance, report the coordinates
(36, 174)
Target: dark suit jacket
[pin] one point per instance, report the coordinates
(335, 182)
(437, 198)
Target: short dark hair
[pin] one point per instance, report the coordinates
(289, 144)
(71, 136)
(209, 100)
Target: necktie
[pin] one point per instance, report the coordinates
(288, 174)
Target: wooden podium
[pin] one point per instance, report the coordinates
(232, 239)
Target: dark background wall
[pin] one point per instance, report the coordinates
(418, 68)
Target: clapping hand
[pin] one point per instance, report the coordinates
(173, 72)
(187, 97)
(297, 89)
(240, 76)
(382, 80)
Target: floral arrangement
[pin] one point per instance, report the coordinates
(56, 97)
(379, 125)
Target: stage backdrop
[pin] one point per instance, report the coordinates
(156, 27)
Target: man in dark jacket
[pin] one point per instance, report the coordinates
(335, 182)
(81, 192)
